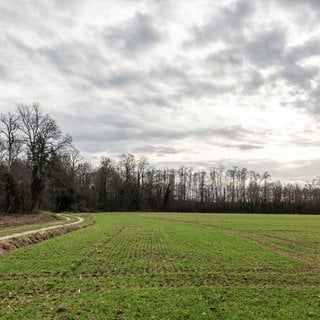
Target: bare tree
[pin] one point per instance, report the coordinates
(11, 143)
(42, 138)
(10, 146)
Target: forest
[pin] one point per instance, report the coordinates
(41, 169)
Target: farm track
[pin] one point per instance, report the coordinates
(293, 243)
(287, 248)
(33, 231)
(17, 240)
(278, 249)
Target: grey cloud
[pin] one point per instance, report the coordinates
(160, 149)
(300, 76)
(75, 57)
(315, 95)
(64, 57)
(84, 67)
(226, 62)
(308, 49)
(232, 62)
(157, 100)
(16, 12)
(78, 62)
(121, 79)
(309, 104)
(267, 48)
(253, 82)
(229, 132)
(264, 49)
(169, 72)
(305, 142)
(3, 73)
(246, 147)
(186, 83)
(230, 56)
(233, 133)
(147, 80)
(116, 79)
(122, 140)
(195, 88)
(315, 4)
(227, 24)
(123, 129)
(241, 146)
(138, 33)
(68, 5)
(20, 45)
(87, 65)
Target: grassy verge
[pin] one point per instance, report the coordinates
(168, 266)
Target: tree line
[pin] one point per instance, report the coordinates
(40, 169)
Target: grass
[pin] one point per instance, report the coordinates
(169, 266)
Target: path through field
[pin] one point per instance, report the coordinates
(24, 233)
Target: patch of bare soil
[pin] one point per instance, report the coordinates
(13, 220)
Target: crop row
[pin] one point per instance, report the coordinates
(165, 266)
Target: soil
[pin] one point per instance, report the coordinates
(13, 220)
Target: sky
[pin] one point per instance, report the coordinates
(195, 83)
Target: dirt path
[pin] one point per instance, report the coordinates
(19, 234)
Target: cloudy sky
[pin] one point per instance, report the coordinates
(191, 82)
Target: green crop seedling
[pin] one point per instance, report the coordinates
(169, 266)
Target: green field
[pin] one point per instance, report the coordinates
(169, 266)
